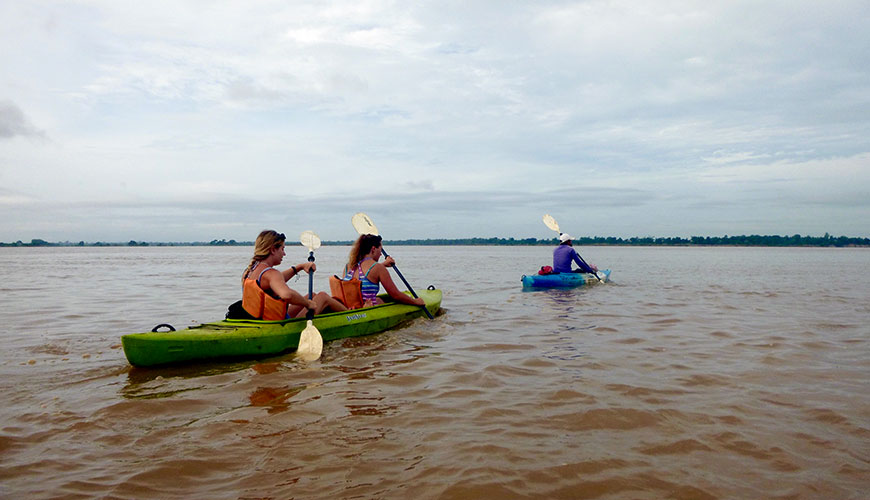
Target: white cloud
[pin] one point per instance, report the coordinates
(636, 107)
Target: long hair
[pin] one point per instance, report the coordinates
(361, 247)
(266, 241)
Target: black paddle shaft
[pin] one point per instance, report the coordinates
(425, 309)
(588, 266)
(310, 313)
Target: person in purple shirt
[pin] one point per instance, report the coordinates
(564, 255)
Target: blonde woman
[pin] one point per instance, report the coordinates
(265, 294)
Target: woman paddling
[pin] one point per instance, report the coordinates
(362, 263)
(265, 294)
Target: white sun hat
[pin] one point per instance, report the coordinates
(563, 237)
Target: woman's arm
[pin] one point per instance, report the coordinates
(308, 267)
(386, 280)
(279, 286)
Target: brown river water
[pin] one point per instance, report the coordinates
(697, 373)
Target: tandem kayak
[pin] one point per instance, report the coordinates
(251, 338)
(564, 280)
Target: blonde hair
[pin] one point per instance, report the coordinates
(266, 241)
(361, 247)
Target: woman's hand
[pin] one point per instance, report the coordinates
(389, 262)
(309, 267)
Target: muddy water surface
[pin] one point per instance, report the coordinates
(697, 373)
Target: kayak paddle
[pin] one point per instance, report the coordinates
(310, 340)
(364, 225)
(551, 223)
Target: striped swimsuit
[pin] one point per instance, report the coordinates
(369, 290)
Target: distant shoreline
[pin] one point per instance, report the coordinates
(738, 241)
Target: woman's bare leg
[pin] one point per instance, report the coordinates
(295, 311)
(324, 301)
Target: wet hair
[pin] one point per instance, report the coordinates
(361, 247)
(266, 241)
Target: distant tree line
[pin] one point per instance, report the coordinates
(752, 241)
(131, 243)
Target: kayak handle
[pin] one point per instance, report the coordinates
(430, 287)
(161, 325)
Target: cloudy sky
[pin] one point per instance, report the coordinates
(194, 120)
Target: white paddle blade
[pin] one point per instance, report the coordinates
(310, 343)
(363, 224)
(551, 223)
(310, 240)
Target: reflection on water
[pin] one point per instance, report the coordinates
(274, 398)
(679, 380)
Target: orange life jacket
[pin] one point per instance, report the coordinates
(348, 292)
(260, 304)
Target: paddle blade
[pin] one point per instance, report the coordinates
(551, 223)
(310, 240)
(310, 343)
(363, 224)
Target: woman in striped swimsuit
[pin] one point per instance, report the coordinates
(363, 263)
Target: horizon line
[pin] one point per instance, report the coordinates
(737, 240)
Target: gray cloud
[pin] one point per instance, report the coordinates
(585, 210)
(13, 122)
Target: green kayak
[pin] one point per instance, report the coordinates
(252, 338)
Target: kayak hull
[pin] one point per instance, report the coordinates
(563, 280)
(251, 338)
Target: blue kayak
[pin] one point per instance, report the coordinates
(564, 280)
